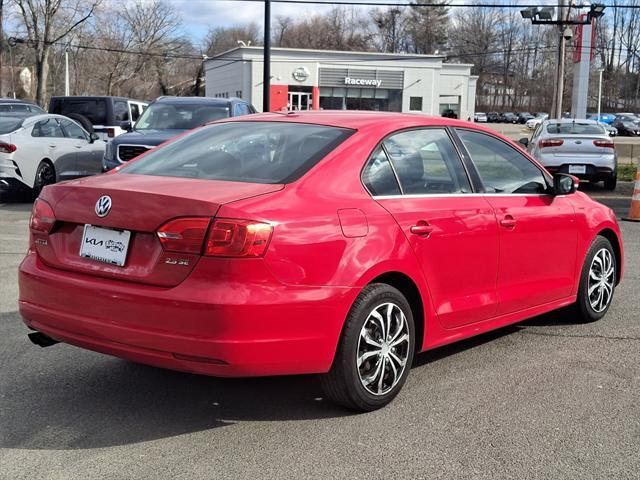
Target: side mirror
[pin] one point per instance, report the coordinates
(93, 137)
(524, 141)
(126, 126)
(564, 184)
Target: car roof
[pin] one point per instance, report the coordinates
(355, 119)
(93, 97)
(192, 100)
(17, 100)
(572, 120)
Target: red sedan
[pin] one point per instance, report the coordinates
(324, 242)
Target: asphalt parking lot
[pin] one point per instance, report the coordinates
(545, 399)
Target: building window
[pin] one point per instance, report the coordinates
(379, 99)
(415, 103)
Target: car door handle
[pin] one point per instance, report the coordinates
(78, 146)
(508, 222)
(422, 228)
(53, 146)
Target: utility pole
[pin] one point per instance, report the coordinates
(266, 78)
(599, 92)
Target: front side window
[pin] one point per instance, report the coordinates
(72, 130)
(241, 109)
(49, 128)
(135, 112)
(502, 168)
(253, 152)
(426, 162)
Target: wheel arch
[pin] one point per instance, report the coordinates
(614, 240)
(50, 162)
(411, 292)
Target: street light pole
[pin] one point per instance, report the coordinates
(66, 72)
(559, 84)
(266, 78)
(600, 92)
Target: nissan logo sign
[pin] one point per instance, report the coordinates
(103, 206)
(301, 74)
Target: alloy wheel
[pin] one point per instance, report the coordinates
(45, 176)
(383, 349)
(601, 280)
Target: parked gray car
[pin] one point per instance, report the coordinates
(579, 147)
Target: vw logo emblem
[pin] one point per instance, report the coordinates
(103, 206)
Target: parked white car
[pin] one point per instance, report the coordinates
(533, 123)
(39, 150)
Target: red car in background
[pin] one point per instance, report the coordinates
(337, 243)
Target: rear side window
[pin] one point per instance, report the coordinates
(121, 111)
(95, 109)
(254, 152)
(502, 168)
(426, 162)
(378, 175)
(49, 128)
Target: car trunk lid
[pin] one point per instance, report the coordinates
(140, 204)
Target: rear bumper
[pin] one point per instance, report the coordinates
(10, 175)
(202, 326)
(592, 173)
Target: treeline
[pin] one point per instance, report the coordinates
(138, 48)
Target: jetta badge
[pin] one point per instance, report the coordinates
(103, 206)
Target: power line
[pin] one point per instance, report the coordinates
(426, 5)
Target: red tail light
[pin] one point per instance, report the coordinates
(184, 235)
(111, 132)
(42, 217)
(604, 143)
(238, 238)
(7, 147)
(550, 143)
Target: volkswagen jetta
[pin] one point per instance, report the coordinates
(325, 242)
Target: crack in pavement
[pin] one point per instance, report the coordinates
(605, 337)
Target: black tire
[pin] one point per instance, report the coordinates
(611, 182)
(583, 309)
(343, 384)
(45, 175)
(82, 120)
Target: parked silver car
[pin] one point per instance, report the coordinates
(579, 147)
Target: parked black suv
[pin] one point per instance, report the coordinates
(165, 118)
(508, 117)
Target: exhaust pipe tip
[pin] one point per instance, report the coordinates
(41, 339)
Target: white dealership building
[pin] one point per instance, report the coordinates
(322, 79)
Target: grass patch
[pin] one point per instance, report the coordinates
(627, 172)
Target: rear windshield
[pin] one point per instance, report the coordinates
(575, 128)
(254, 152)
(166, 116)
(95, 109)
(10, 124)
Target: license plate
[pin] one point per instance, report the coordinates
(577, 169)
(105, 245)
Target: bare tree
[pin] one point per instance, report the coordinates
(47, 22)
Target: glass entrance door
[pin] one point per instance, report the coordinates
(299, 101)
